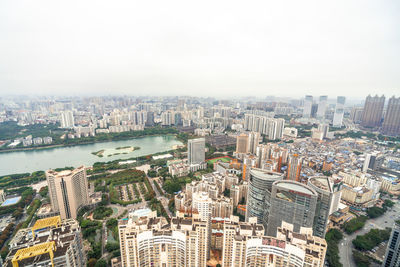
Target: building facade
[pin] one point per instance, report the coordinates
(308, 101)
(152, 241)
(289, 201)
(329, 194)
(323, 99)
(196, 151)
(373, 111)
(68, 191)
(260, 181)
(392, 256)
(295, 162)
(245, 245)
(391, 123)
(339, 112)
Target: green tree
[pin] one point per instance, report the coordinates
(101, 263)
(360, 259)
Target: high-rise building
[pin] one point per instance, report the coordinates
(178, 119)
(242, 143)
(356, 114)
(391, 123)
(203, 205)
(323, 99)
(370, 162)
(254, 140)
(196, 151)
(68, 191)
(260, 181)
(314, 109)
(339, 112)
(307, 107)
(167, 118)
(244, 244)
(49, 242)
(272, 128)
(373, 110)
(275, 129)
(329, 194)
(294, 167)
(151, 241)
(150, 118)
(392, 257)
(67, 119)
(292, 202)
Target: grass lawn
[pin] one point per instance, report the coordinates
(223, 159)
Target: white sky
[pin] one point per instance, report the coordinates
(204, 48)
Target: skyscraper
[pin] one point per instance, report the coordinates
(307, 106)
(196, 151)
(329, 194)
(391, 123)
(68, 191)
(392, 257)
(323, 99)
(294, 167)
(339, 112)
(242, 143)
(260, 181)
(373, 110)
(291, 202)
(67, 119)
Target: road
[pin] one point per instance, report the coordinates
(163, 199)
(346, 245)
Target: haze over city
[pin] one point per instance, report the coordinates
(257, 48)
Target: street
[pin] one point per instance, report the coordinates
(346, 245)
(163, 199)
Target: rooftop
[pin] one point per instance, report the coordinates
(295, 186)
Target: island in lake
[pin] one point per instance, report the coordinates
(114, 152)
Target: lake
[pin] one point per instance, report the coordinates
(44, 159)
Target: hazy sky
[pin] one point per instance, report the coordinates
(169, 47)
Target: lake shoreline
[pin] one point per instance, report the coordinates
(80, 144)
(43, 159)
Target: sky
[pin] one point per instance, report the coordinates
(200, 48)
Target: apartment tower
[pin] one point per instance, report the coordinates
(391, 123)
(68, 191)
(196, 151)
(339, 112)
(329, 193)
(323, 99)
(152, 241)
(307, 107)
(67, 119)
(242, 144)
(294, 167)
(373, 110)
